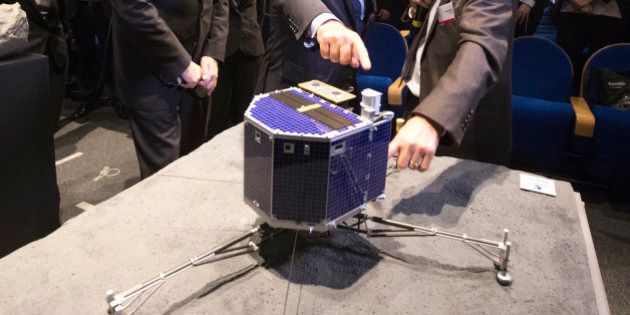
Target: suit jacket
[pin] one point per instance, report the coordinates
(245, 33)
(466, 78)
(288, 60)
(157, 39)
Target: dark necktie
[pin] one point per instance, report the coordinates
(355, 6)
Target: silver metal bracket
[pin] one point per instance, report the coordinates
(119, 302)
(500, 257)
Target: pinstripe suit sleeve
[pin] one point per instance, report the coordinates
(300, 13)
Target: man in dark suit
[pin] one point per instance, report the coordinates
(528, 16)
(458, 69)
(587, 26)
(298, 28)
(46, 36)
(162, 50)
(239, 72)
(390, 11)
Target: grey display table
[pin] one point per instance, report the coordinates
(196, 203)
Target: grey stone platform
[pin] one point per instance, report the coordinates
(196, 203)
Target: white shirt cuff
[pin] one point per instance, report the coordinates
(319, 20)
(530, 3)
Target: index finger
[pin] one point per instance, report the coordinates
(393, 148)
(361, 52)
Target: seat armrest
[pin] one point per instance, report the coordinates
(584, 118)
(395, 92)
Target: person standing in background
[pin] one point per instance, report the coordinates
(89, 28)
(239, 71)
(309, 37)
(46, 36)
(528, 16)
(458, 71)
(588, 25)
(390, 12)
(162, 51)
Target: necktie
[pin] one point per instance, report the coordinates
(355, 6)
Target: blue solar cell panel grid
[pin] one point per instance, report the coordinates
(342, 112)
(378, 171)
(349, 171)
(258, 167)
(300, 181)
(276, 115)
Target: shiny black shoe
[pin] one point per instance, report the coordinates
(119, 107)
(121, 112)
(83, 110)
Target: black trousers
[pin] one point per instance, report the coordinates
(165, 125)
(51, 42)
(580, 32)
(235, 89)
(90, 26)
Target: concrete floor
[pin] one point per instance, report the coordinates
(105, 142)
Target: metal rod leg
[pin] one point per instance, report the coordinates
(116, 300)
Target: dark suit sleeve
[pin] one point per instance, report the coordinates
(384, 4)
(152, 37)
(485, 29)
(300, 13)
(217, 37)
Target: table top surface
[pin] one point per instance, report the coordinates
(197, 203)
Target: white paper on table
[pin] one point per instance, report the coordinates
(538, 184)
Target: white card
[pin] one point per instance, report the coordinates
(538, 184)
(446, 14)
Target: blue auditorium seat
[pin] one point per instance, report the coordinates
(541, 69)
(541, 130)
(608, 159)
(542, 117)
(388, 50)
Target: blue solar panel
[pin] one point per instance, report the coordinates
(348, 175)
(358, 174)
(258, 167)
(378, 170)
(276, 115)
(312, 181)
(300, 180)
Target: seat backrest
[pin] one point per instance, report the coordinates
(541, 69)
(387, 49)
(616, 57)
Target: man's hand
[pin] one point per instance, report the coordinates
(191, 76)
(587, 9)
(209, 74)
(584, 6)
(415, 144)
(384, 15)
(522, 13)
(341, 45)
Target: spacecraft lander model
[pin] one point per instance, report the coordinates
(311, 165)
